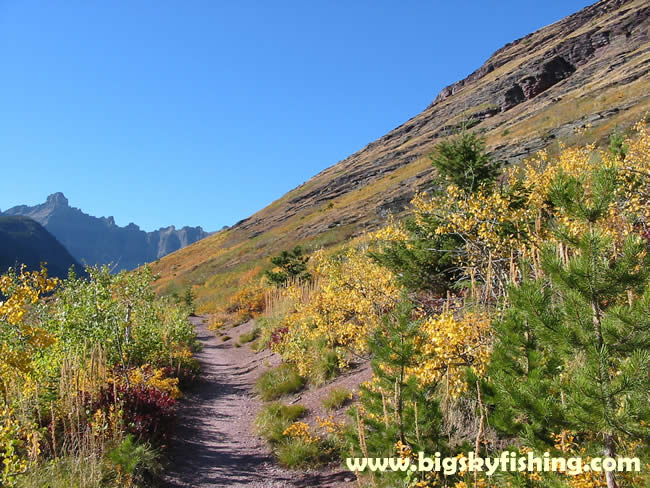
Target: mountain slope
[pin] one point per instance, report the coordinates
(95, 240)
(587, 71)
(25, 241)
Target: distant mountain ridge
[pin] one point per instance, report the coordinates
(25, 241)
(99, 240)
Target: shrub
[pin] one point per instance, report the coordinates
(336, 398)
(275, 418)
(302, 447)
(147, 411)
(279, 381)
(248, 302)
(99, 357)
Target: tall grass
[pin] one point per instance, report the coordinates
(274, 418)
(279, 381)
(278, 304)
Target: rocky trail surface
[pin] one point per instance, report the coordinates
(213, 445)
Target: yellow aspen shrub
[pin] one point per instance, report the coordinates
(19, 447)
(500, 226)
(452, 345)
(19, 340)
(353, 294)
(249, 301)
(393, 231)
(156, 378)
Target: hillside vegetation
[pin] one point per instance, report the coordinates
(505, 318)
(587, 71)
(90, 371)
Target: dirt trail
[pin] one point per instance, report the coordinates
(213, 445)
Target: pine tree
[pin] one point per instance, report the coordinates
(573, 348)
(292, 265)
(398, 409)
(188, 299)
(462, 159)
(425, 261)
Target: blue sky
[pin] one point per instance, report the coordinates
(201, 112)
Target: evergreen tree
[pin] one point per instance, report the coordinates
(617, 145)
(425, 261)
(188, 299)
(292, 265)
(573, 346)
(462, 159)
(400, 409)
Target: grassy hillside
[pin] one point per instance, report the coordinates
(575, 81)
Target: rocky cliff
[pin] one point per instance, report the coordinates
(94, 240)
(574, 81)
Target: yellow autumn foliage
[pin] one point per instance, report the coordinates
(453, 344)
(353, 294)
(18, 339)
(156, 378)
(500, 226)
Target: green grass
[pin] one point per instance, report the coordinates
(278, 382)
(336, 398)
(274, 418)
(249, 336)
(258, 345)
(325, 368)
(297, 453)
(137, 460)
(224, 338)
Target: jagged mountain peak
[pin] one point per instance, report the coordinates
(99, 240)
(57, 199)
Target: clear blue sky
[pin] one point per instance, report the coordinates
(201, 112)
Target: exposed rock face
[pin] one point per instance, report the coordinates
(95, 240)
(560, 58)
(513, 96)
(551, 72)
